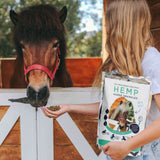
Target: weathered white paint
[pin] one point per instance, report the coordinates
(28, 133)
(44, 136)
(37, 130)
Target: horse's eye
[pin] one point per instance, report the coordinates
(55, 45)
(22, 46)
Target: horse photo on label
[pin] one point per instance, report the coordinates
(121, 111)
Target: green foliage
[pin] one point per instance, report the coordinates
(78, 44)
(94, 45)
(6, 47)
(85, 45)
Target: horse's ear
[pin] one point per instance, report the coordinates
(63, 14)
(13, 17)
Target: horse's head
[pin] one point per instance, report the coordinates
(38, 35)
(123, 115)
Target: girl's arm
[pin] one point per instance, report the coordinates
(119, 150)
(89, 109)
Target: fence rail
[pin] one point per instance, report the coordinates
(37, 131)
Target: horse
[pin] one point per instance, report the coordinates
(120, 114)
(39, 38)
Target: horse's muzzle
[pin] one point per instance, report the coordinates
(121, 127)
(38, 98)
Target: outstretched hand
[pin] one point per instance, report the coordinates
(116, 150)
(55, 114)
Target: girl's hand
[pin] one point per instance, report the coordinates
(54, 114)
(116, 150)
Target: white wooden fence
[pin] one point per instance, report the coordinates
(37, 130)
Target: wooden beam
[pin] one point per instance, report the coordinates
(155, 12)
(104, 53)
(153, 2)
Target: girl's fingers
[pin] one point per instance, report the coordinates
(48, 113)
(55, 114)
(52, 112)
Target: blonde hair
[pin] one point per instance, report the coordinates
(128, 36)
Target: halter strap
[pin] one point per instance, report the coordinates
(50, 74)
(123, 119)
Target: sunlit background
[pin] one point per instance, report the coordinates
(83, 25)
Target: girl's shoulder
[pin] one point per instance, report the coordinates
(150, 68)
(151, 57)
(152, 53)
(150, 64)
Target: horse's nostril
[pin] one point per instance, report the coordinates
(31, 93)
(43, 93)
(39, 98)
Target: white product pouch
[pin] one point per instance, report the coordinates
(125, 102)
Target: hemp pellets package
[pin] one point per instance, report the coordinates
(125, 102)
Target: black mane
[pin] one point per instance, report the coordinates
(38, 23)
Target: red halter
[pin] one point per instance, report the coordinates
(123, 119)
(50, 74)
